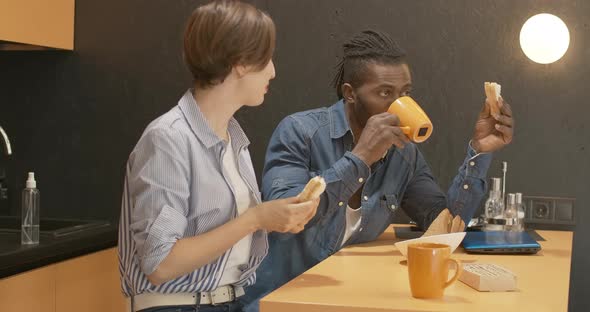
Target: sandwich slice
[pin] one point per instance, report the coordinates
(313, 189)
(493, 91)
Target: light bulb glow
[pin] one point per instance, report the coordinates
(544, 38)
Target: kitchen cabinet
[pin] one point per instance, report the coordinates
(37, 24)
(87, 283)
(30, 291)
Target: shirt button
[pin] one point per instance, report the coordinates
(361, 180)
(392, 206)
(340, 204)
(365, 198)
(465, 186)
(361, 229)
(472, 163)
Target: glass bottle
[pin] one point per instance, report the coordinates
(30, 212)
(520, 209)
(494, 207)
(513, 223)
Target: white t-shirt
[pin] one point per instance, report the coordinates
(353, 221)
(240, 253)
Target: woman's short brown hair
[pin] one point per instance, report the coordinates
(223, 34)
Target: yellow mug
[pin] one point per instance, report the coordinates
(413, 120)
(428, 269)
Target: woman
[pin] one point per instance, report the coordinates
(193, 227)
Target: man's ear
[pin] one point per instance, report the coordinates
(348, 93)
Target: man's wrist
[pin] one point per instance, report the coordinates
(362, 157)
(475, 146)
(476, 163)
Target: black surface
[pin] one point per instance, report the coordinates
(73, 117)
(51, 226)
(16, 258)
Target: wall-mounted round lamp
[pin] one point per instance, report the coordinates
(544, 38)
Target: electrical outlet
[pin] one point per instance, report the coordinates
(3, 188)
(3, 192)
(4, 203)
(549, 212)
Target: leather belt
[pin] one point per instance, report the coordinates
(220, 295)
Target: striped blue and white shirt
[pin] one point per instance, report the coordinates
(175, 187)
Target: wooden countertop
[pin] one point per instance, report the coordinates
(370, 277)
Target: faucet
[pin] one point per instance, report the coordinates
(4, 136)
(8, 151)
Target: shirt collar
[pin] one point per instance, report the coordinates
(200, 126)
(339, 125)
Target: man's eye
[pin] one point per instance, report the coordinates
(385, 93)
(406, 93)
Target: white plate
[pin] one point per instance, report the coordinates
(451, 239)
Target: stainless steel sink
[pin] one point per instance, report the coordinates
(52, 227)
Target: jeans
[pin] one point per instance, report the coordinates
(224, 307)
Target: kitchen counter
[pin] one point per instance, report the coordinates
(373, 277)
(16, 258)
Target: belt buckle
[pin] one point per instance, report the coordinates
(232, 293)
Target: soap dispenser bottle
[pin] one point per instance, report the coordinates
(30, 212)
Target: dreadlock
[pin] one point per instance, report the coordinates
(367, 47)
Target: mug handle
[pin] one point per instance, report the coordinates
(458, 271)
(406, 130)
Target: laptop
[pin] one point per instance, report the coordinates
(500, 242)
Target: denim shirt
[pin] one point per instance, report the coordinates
(319, 142)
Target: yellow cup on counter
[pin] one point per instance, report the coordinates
(428, 269)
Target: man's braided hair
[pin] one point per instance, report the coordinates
(367, 47)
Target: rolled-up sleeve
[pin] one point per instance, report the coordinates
(159, 181)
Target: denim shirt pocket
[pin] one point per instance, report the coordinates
(390, 202)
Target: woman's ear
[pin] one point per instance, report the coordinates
(240, 70)
(348, 92)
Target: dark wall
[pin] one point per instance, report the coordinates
(73, 117)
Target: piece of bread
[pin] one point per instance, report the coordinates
(493, 91)
(314, 188)
(441, 225)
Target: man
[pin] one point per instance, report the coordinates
(370, 167)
